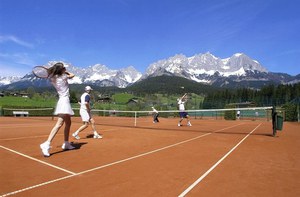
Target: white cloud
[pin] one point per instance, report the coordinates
(11, 70)
(14, 39)
(16, 64)
(17, 58)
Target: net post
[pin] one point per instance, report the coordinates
(274, 117)
(135, 118)
(52, 116)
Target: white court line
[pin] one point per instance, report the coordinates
(117, 162)
(215, 165)
(143, 154)
(39, 136)
(13, 126)
(38, 185)
(40, 161)
(22, 138)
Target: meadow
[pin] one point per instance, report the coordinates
(119, 101)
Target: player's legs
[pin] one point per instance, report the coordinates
(85, 116)
(181, 118)
(92, 121)
(96, 134)
(55, 129)
(188, 120)
(81, 128)
(156, 118)
(46, 145)
(66, 145)
(67, 120)
(60, 121)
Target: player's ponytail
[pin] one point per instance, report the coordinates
(57, 69)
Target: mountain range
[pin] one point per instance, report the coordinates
(239, 70)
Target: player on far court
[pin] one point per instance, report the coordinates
(59, 79)
(155, 115)
(238, 114)
(182, 113)
(85, 113)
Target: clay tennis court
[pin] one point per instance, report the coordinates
(211, 158)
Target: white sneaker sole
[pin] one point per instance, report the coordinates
(68, 147)
(45, 150)
(98, 137)
(76, 136)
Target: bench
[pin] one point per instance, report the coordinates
(20, 113)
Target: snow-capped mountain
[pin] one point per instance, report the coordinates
(239, 70)
(202, 67)
(8, 80)
(98, 74)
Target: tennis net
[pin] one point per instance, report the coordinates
(139, 118)
(253, 113)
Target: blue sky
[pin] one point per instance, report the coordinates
(120, 33)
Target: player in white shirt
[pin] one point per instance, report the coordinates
(182, 113)
(85, 113)
(155, 115)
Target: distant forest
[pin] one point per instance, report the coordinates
(268, 96)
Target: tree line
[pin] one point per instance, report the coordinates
(285, 96)
(267, 96)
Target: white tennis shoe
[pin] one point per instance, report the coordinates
(76, 136)
(97, 136)
(67, 146)
(45, 149)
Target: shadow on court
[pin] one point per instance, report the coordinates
(76, 145)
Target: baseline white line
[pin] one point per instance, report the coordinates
(215, 165)
(40, 161)
(114, 163)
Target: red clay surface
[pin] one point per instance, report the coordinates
(211, 158)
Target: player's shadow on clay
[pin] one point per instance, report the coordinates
(90, 136)
(76, 145)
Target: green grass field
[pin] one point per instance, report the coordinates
(13, 101)
(119, 102)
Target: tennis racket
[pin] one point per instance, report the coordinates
(183, 96)
(41, 72)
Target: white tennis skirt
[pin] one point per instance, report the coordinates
(63, 106)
